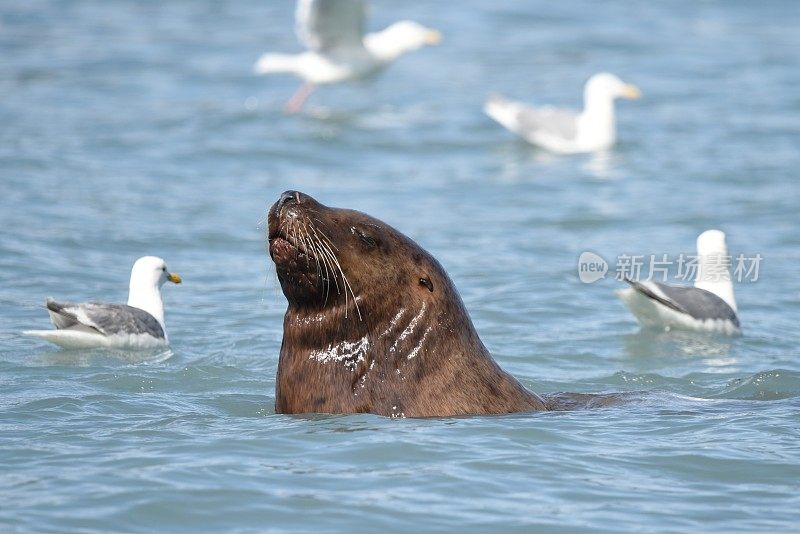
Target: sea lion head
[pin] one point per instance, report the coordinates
(335, 259)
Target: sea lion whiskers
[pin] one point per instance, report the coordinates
(331, 265)
(326, 245)
(314, 227)
(319, 249)
(314, 251)
(309, 248)
(324, 277)
(297, 242)
(314, 244)
(345, 281)
(334, 262)
(327, 239)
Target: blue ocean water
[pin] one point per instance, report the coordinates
(131, 128)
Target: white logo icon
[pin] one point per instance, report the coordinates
(591, 267)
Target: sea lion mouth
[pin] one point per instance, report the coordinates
(284, 244)
(283, 249)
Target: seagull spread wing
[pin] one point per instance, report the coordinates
(325, 25)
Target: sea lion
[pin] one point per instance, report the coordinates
(374, 324)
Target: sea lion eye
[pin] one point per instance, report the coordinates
(427, 283)
(366, 239)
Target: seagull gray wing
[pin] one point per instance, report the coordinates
(106, 319)
(547, 121)
(325, 25)
(698, 303)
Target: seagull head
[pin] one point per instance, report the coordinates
(152, 271)
(608, 86)
(407, 35)
(712, 242)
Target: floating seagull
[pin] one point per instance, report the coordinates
(137, 325)
(709, 306)
(333, 31)
(565, 131)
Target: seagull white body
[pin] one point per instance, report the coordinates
(709, 306)
(338, 49)
(565, 131)
(137, 325)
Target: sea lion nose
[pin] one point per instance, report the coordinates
(288, 197)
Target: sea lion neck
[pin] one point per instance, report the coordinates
(332, 323)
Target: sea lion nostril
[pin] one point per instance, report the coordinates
(289, 196)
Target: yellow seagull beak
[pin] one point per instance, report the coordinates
(175, 278)
(632, 92)
(433, 37)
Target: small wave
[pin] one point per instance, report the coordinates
(86, 358)
(766, 385)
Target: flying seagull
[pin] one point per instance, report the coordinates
(565, 131)
(136, 325)
(708, 306)
(338, 48)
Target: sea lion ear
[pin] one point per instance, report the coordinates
(427, 283)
